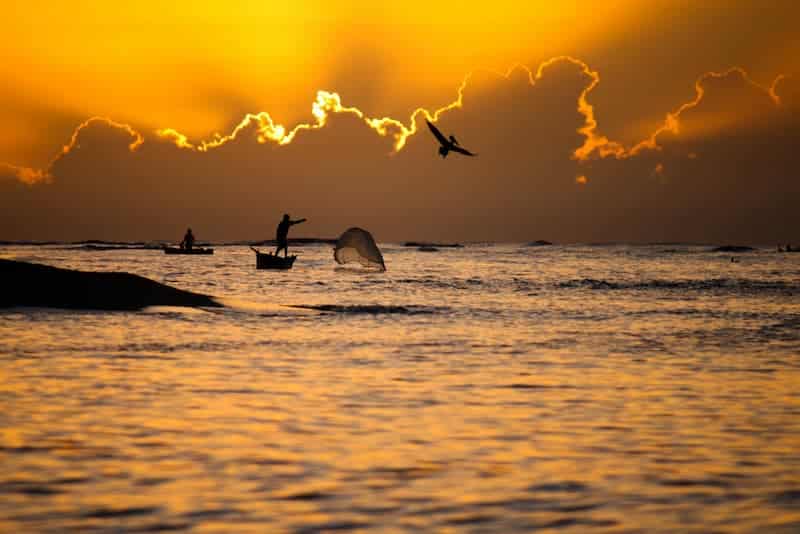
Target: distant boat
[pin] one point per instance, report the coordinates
(266, 260)
(176, 250)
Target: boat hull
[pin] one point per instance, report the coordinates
(271, 261)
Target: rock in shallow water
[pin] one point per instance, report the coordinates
(35, 285)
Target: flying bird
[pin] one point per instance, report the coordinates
(448, 145)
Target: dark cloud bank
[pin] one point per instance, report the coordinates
(733, 183)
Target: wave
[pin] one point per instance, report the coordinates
(739, 285)
(432, 282)
(711, 284)
(369, 309)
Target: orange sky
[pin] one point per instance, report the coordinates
(199, 66)
(197, 69)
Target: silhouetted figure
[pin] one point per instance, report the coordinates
(282, 233)
(188, 240)
(448, 145)
(788, 247)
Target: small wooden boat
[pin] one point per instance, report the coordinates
(272, 261)
(176, 250)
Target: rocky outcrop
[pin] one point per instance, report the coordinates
(35, 285)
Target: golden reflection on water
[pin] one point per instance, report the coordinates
(569, 409)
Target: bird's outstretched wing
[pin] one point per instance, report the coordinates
(442, 139)
(462, 151)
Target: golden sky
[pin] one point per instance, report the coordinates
(187, 72)
(199, 66)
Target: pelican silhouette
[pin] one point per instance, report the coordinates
(448, 145)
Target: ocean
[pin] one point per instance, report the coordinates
(489, 388)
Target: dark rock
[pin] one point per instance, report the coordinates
(539, 243)
(35, 285)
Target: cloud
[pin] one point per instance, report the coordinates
(786, 89)
(597, 145)
(658, 170)
(345, 168)
(330, 102)
(327, 103)
(26, 175)
(31, 176)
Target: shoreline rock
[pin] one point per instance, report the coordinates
(43, 286)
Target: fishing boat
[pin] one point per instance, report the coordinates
(177, 250)
(266, 260)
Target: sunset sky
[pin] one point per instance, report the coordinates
(594, 121)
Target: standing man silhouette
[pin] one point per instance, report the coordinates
(282, 233)
(188, 240)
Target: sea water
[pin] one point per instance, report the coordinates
(489, 388)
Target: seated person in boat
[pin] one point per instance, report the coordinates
(282, 233)
(188, 240)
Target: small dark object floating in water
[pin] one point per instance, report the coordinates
(539, 243)
(428, 248)
(272, 261)
(176, 250)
